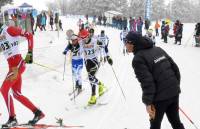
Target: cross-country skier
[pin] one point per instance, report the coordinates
(77, 60)
(83, 32)
(123, 37)
(149, 34)
(103, 38)
(90, 47)
(9, 41)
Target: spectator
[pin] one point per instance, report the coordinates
(197, 34)
(157, 26)
(51, 22)
(60, 25)
(159, 77)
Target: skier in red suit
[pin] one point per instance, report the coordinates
(9, 41)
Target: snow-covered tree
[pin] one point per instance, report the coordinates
(137, 8)
(182, 10)
(158, 9)
(3, 2)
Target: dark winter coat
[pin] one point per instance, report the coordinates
(179, 31)
(156, 71)
(51, 20)
(166, 31)
(197, 28)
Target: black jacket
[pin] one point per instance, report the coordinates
(156, 71)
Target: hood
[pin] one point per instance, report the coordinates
(140, 42)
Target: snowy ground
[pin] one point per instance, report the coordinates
(46, 88)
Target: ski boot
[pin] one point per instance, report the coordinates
(38, 115)
(78, 87)
(12, 121)
(92, 100)
(101, 89)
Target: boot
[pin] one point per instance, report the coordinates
(92, 100)
(101, 89)
(12, 121)
(38, 115)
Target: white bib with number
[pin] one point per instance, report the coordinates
(8, 44)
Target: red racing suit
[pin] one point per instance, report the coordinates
(9, 37)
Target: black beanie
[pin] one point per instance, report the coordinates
(134, 37)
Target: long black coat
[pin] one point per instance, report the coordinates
(156, 71)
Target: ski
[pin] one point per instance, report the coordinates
(98, 104)
(71, 93)
(42, 126)
(89, 106)
(76, 94)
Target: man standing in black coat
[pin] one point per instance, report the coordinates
(159, 77)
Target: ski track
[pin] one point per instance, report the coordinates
(47, 89)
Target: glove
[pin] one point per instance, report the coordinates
(110, 61)
(29, 57)
(64, 53)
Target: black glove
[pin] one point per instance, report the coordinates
(29, 57)
(64, 53)
(110, 61)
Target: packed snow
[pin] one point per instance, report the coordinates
(44, 85)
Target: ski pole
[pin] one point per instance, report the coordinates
(47, 67)
(188, 117)
(64, 67)
(118, 83)
(73, 86)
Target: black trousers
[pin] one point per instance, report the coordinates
(165, 37)
(92, 66)
(171, 108)
(157, 33)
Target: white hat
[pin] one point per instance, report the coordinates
(73, 37)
